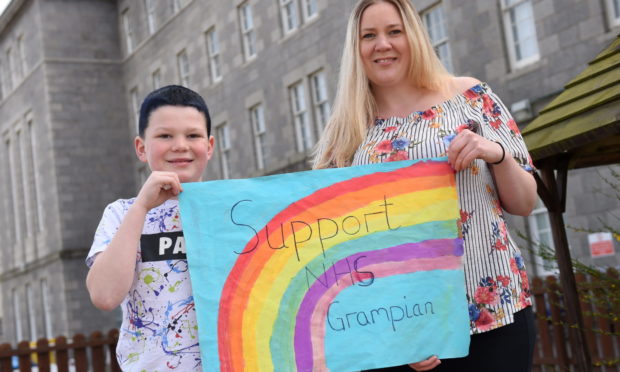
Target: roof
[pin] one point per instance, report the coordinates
(9, 12)
(584, 120)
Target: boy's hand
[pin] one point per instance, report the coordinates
(159, 187)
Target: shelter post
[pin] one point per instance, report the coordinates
(552, 190)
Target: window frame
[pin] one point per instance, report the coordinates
(213, 55)
(151, 20)
(19, 336)
(32, 320)
(35, 196)
(2, 79)
(10, 68)
(306, 15)
(21, 53)
(47, 310)
(320, 98)
(259, 131)
(156, 78)
(536, 232)
(183, 68)
(135, 106)
(10, 183)
(127, 31)
(443, 41)
(224, 145)
(176, 6)
(613, 12)
(248, 33)
(299, 111)
(510, 36)
(285, 16)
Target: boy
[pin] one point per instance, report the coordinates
(137, 259)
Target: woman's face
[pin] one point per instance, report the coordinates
(384, 49)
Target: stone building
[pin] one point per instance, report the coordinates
(73, 73)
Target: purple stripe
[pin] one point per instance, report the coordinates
(403, 252)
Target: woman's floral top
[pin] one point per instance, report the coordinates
(497, 284)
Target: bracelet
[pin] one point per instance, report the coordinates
(503, 153)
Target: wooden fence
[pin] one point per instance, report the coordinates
(553, 353)
(600, 305)
(80, 354)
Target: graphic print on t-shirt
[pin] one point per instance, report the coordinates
(162, 246)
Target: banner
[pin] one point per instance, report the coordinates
(329, 270)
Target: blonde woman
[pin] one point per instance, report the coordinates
(395, 101)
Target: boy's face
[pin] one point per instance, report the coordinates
(176, 140)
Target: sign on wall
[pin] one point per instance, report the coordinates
(336, 269)
(601, 244)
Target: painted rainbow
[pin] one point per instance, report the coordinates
(322, 248)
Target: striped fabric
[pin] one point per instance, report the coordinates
(497, 284)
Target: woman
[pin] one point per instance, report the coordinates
(395, 101)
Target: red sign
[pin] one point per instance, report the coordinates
(601, 245)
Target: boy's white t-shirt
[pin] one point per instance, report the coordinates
(159, 330)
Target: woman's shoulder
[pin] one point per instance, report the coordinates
(460, 84)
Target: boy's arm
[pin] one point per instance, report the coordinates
(112, 274)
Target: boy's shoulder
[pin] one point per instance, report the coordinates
(119, 206)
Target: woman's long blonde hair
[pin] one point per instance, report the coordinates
(355, 106)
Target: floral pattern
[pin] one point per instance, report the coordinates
(497, 283)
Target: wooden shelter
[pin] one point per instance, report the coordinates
(579, 128)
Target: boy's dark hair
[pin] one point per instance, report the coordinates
(171, 95)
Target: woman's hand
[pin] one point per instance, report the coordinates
(426, 365)
(468, 146)
(516, 188)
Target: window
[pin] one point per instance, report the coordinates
(288, 10)
(319, 99)
(541, 234)
(15, 65)
(27, 190)
(300, 116)
(257, 117)
(520, 32)
(15, 160)
(436, 25)
(613, 9)
(247, 31)
(32, 320)
(10, 201)
(33, 176)
(213, 55)
(143, 173)
(128, 30)
(223, 138)
(150, 15)
(156, 78)
(176, 6)
(10, 69)
(1, 83)
(22, 56)
(309, 9)
(17, 316)
(47, 310)
(183, 64)
(135, 106)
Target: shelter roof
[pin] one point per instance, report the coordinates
(584, 120)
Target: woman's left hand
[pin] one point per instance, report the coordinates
(468, 146)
